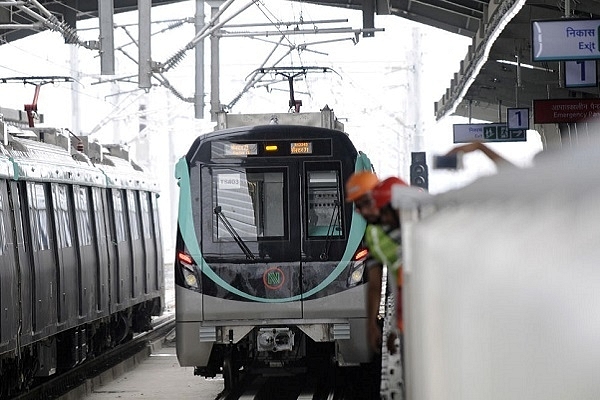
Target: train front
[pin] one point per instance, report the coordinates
(268, 268)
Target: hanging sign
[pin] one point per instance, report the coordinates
(556, 111)
(580, 73)
(465, 133)
(565, 39)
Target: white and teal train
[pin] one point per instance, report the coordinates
(269, 264)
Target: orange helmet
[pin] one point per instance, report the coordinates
(360, 183)
(382, 193)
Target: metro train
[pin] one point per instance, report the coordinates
(269, 263)
(81, 265)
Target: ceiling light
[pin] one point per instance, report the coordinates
(524, 65)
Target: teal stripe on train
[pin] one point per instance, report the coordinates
(188, 233)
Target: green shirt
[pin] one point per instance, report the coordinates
(383, 247)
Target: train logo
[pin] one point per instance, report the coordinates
(273, 278)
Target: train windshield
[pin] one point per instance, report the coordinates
(251, 204)
(324, 217)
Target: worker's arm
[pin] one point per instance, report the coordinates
(473, 146)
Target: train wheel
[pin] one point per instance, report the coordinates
(230, 373)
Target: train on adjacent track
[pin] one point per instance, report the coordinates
(269, 269)
(81, 264)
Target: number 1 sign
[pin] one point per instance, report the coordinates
(581, 73)
(517, 118)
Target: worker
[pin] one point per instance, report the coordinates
(385, 243)
(384, 240)
(358, 190)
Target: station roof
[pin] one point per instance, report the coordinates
(32, 15)
(459, 16)
(482, 87)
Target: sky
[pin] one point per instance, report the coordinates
(383, 88)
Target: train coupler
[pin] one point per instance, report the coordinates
(275, 339)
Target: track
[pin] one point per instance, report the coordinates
(350, 383)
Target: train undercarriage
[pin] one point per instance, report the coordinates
(275, 350)
(24, 368)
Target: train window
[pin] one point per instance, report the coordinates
(242, 199)
(98, 206)
(155, 218)
(323, 216)
(145, 210)
(2, 228)
(62, 216)
(134, 221)
(37, 203)
(119, 216)
(82, 215)
(17, 206)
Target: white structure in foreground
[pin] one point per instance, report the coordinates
(502, 284)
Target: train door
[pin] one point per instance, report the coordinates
(104, 249)
(9, 277)
(250, 240)
(23, 246)
(124, 266)
(138, 260)
(45, 275)
(68, 262)
(88, 267)
(149, 244)
(323, 240)
(160, 279)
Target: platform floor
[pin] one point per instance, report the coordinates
(158, 377)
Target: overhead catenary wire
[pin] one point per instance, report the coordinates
(212, 28)
(51, 22)
(204, 32)
(256, 75)
(299, 50)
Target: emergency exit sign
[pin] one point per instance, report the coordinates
(556, 111)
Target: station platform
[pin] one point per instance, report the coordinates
(157, 377)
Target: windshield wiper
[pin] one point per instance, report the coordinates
(233, 233)
(333, 225)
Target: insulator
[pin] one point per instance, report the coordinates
(176, 59)
(175, 24)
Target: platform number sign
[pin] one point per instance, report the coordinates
(581, 73)
(517, 123)
(517, 118)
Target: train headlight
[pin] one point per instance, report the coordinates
(190, 278)
(356, 276)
